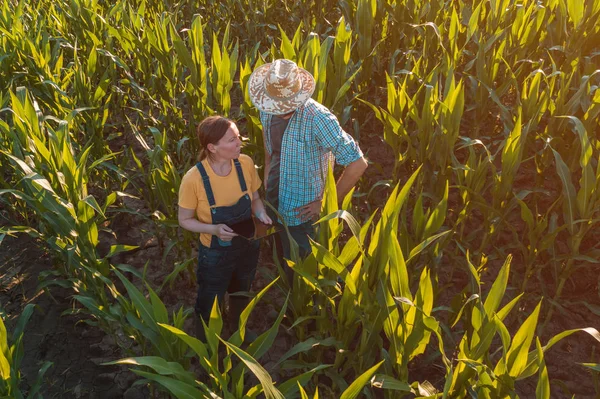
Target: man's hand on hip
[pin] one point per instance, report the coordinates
(310, 211)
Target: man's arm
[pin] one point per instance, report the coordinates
(331, 136)
(347, 180)
(349, 177)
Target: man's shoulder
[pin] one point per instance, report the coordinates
(313, 108)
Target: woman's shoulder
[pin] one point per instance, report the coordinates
(192, 174)
(246, 160)
(192, 171)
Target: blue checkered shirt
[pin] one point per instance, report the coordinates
(312, 140)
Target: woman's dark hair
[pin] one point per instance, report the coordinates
(210, 131)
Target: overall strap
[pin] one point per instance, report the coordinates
(209, 193)
(240, 173)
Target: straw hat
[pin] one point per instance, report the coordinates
(280, 87)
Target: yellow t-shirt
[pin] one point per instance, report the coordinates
(226, 190)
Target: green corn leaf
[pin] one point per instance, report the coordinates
(542, 390)
(238, 337)
(289, 387)
(160, 311)
(569, 197)
(35, 388)
(474, 274)
(575, 9)
(472, 26)
(180, 389)
(345, 87)
(494, 297)
(141, 304)
(287, 49)
(511, 159)
(181, 50)
(425, 243)
(264, 342)
(419, 318)
(214, 328)
(386, 382)
(517, 354)
(197, 346)
(532, 358)
(355, 227)
(329, 260)
(329, 231)
(306, 346)
(22, 321)
(457, 318)
(117, 249)
(4, 353)
(356, 387)
(91, 201)
(265, 379)
(526, 214)
(591, 366)
(436, 220)
(159, 365)
(398, 273)
(418, 217)
(588, 179)
(303, 393)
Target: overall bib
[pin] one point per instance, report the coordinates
(226, 266)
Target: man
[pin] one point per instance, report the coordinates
(301, 139)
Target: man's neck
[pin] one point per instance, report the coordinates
(288, 115)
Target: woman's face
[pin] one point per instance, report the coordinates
(230, 145)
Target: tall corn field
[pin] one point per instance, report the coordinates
(445, 271)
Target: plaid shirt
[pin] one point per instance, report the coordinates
(312, 139)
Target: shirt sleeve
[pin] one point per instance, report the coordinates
(332, 137)
(187, 193)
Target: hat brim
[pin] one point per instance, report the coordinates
(262, 101)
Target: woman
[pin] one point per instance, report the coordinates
(221, 191)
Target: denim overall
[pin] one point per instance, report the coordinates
(225, 265)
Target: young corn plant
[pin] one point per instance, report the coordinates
(226, 378)
(224, 63)
(579, 207)
(11, 356)
(490, 372)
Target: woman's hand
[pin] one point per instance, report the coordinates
(263, 217)
(224, 232)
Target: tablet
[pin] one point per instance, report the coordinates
(253, 229)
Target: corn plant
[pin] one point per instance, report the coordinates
(436, 126)
(579, 206)
(477, 368)
(224, 67)
(11, 355)
(226, 379)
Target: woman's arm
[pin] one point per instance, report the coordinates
(258, 209)
(187, 220)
